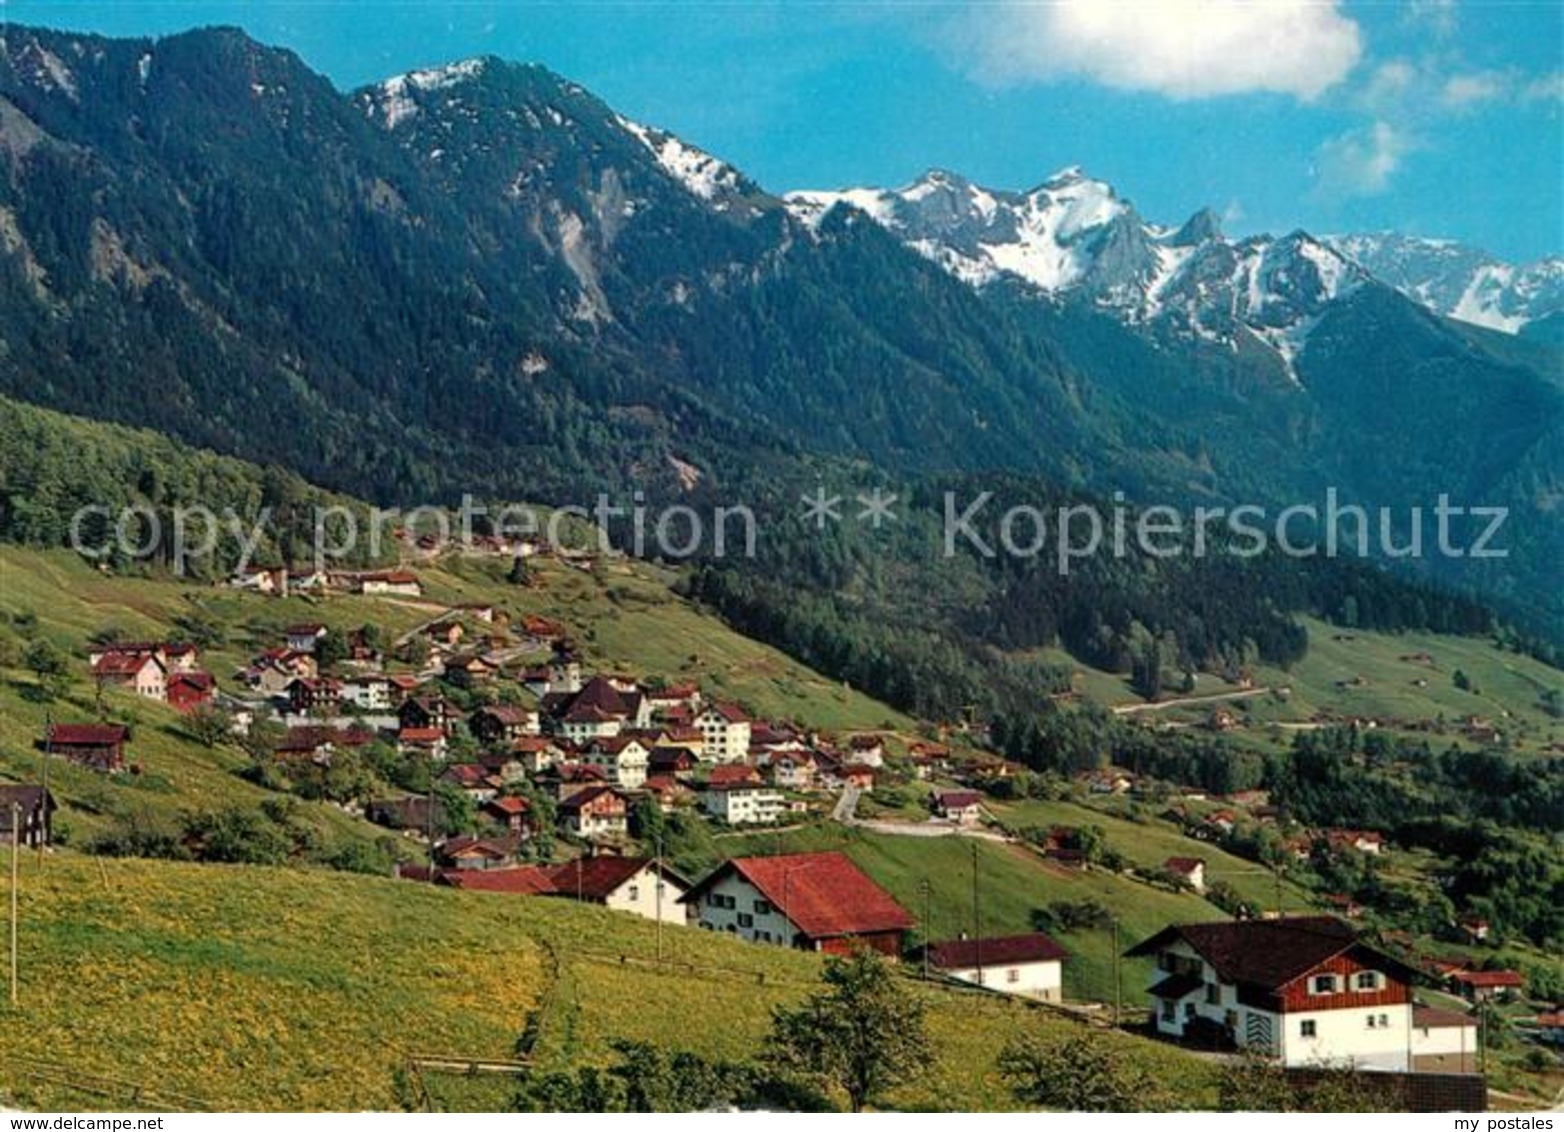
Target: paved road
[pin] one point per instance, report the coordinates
(931, 828)
(1196, 701)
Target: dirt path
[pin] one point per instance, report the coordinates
(1196, 701)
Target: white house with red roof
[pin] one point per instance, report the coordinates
(140, 671)
(814, 901)
(1029, 965)
(1190, 870)
(725, 733)
(1304, 990)
(743, 803)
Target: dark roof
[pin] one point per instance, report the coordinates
(1034, 947)
(1432, 1018)
(1184, 864)
(1266, 953)
(118, 662)
(598, 878)
(1175, 987)
(957, 799)
(88, 734)
(824, 894)
(201, 680)
(27, 797)
(579, 800)
(506, 714)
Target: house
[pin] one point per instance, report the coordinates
(814, 901)
(518, 880)
(622, 760)
(792, 770)
(474, 780)
(866, 750)
(367, 691)
(271, 580)
(97, 746)
(143, 673)
(1482, 986)
(1443, 1041)
(673, 761)
(316, 743)
(504, 723)
(725, 733)
(1029, 965)
(1550, 1027)
(429, 711)
(1304, 990)
(33, 808)
(964, 807)
(668, 791)
(1356, 840)
(733, 774)
(430, 742)
(595, 812)
(413, 812)
(304, 638)
(514, 813)
(536, 753)
(187, 691)
(743, 803)
(598, 711)
(399, 583)
(476, 852)
(314, 693)
(928, 760)
(469, 669)
(1189, 870)
(637, 885)
(674, 696)
(1475, 931)
(565, 779)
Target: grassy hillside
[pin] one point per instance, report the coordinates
(191, 980)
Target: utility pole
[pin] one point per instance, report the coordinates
(1280, 910)
(657, 868)
(16, 856)
(928, 919)
(977, 918)
(1118, 982)
(48, 750)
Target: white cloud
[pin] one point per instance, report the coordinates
(1438, 15)
(1547, 88)
(1361, 162)
(1461, 91)
(1182, 49)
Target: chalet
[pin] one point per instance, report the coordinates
(1443, 1041)
(814, 901)
(469, 669)
(964, 807)
(316, 744)
(742, 803)
(669, 792)
(1109, 782)
(622, 760)
(1475, 931)
(504, 723)
(792, 770)
(403, 687)
(1483, 986)
(928, 760)
(598, 711)
(866, 750)
(725, 733)
(32, 808)
(190, 690)
(444, 634)
(97, 746)
(367, 691)
(480, 611)
(1188, 870)
(516, 880)
(1354, 840)
(401, 583)
(304, 638)
(270, 580)
(472, 779)
(1304, 990)
(430, 742)
(315, 693)
(564, 779)
(536, 753)
(1028, 965)
(361, 650)
(733, 774)
(143, 673)
(429, 711)
(596, 812)
(476, 852)
(413, 812)
(637, 885)
(514, 813)
(1220, 823)
(674, 696)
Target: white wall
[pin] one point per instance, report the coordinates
(761, 924)
(1343, 1036)
(638, 896)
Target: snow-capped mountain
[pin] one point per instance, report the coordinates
(1461, 281)
(1075, 239)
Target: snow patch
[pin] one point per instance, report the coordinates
(705, 176)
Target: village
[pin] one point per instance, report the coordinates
(539, 778)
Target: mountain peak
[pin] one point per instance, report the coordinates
(1202, 226)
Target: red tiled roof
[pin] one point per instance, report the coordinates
(528, 880)
(88, 734)
(598, 878)
(122, 663)
(420, 735)
(506, 714)
(732, 775)
(1033, 947)
(509, 805)
(1184, 864)
(582, 798)
(958, 799)
(1489, 978)
(824, 894)
(201, 680)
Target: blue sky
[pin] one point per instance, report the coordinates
(1436, 117)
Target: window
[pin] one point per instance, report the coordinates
(1367, 980)
(1384, 1021)
(1012, 976)
(1306, 1028)
(1189, 1010)
(1213, 994)
(1371, 1022)
(1167, 1008)
(746, 920)
(635, 892)
(1324, 984)
(762, 907)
